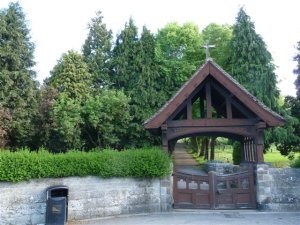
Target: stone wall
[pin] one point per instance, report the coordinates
(220, 167)
(278, 189)
(89, 197)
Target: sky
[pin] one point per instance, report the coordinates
(61, 25)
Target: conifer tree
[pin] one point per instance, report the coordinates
(71, 76)
(97, 51)
(297, 71)
(135, 72)
(18, 89)
(251, 63)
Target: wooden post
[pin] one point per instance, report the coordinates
(242, 150)
(259, 142)
(228, 108)
(164, 138)
(212, 189)
(208, 101)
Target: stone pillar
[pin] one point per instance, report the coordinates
(166, 194)
(263, 185)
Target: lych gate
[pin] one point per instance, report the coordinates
(212, 103)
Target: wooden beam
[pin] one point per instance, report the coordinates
(240, 107)
(221, 122)
(208, 101)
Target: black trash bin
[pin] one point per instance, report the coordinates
(57, 205)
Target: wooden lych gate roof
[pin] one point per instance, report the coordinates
(244, 105)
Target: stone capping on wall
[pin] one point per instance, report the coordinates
(89, 197)
(277, 189)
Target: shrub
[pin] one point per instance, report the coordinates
(24, 165)
(236, 153)
(296, 163)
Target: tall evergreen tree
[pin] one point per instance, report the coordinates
(251, 63)
(125, 69)
(297, 70)
(97, 50)
(18, 88)
(135, 72)
(71, 76)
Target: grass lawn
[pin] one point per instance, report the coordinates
(272, 156)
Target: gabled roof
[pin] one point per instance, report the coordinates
(210, 68)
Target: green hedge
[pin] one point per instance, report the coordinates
(24, 165)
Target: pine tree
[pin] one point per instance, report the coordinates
(125, 69)
(97, 51)
(71, 76)
(135, 71)
(18, 89)
(251, 63)
(297, 71)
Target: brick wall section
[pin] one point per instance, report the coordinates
(89, 197)
(278, 189)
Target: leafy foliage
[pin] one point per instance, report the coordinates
(220, 36)
(288, 137)
(66, 115)
(296, 163)
(179, 53)
(236, 153)
(24, 165)
(106, 119)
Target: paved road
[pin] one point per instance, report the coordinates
(202, 217)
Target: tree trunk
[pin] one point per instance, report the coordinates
(206, 144)
(212, 148)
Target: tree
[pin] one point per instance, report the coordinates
(97, 51)
(125, 69)
(67, 122)
(220, 36)
(251, 63)
(179, 53)
(47, 136)
(18, 89)
(71, 76)
(135, 72)
(297, 70)
(288, 137)
(106, 119)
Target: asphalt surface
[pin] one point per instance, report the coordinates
(201, 217)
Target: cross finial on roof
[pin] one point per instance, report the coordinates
(207, 46)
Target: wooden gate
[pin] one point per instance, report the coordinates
(212, 191)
